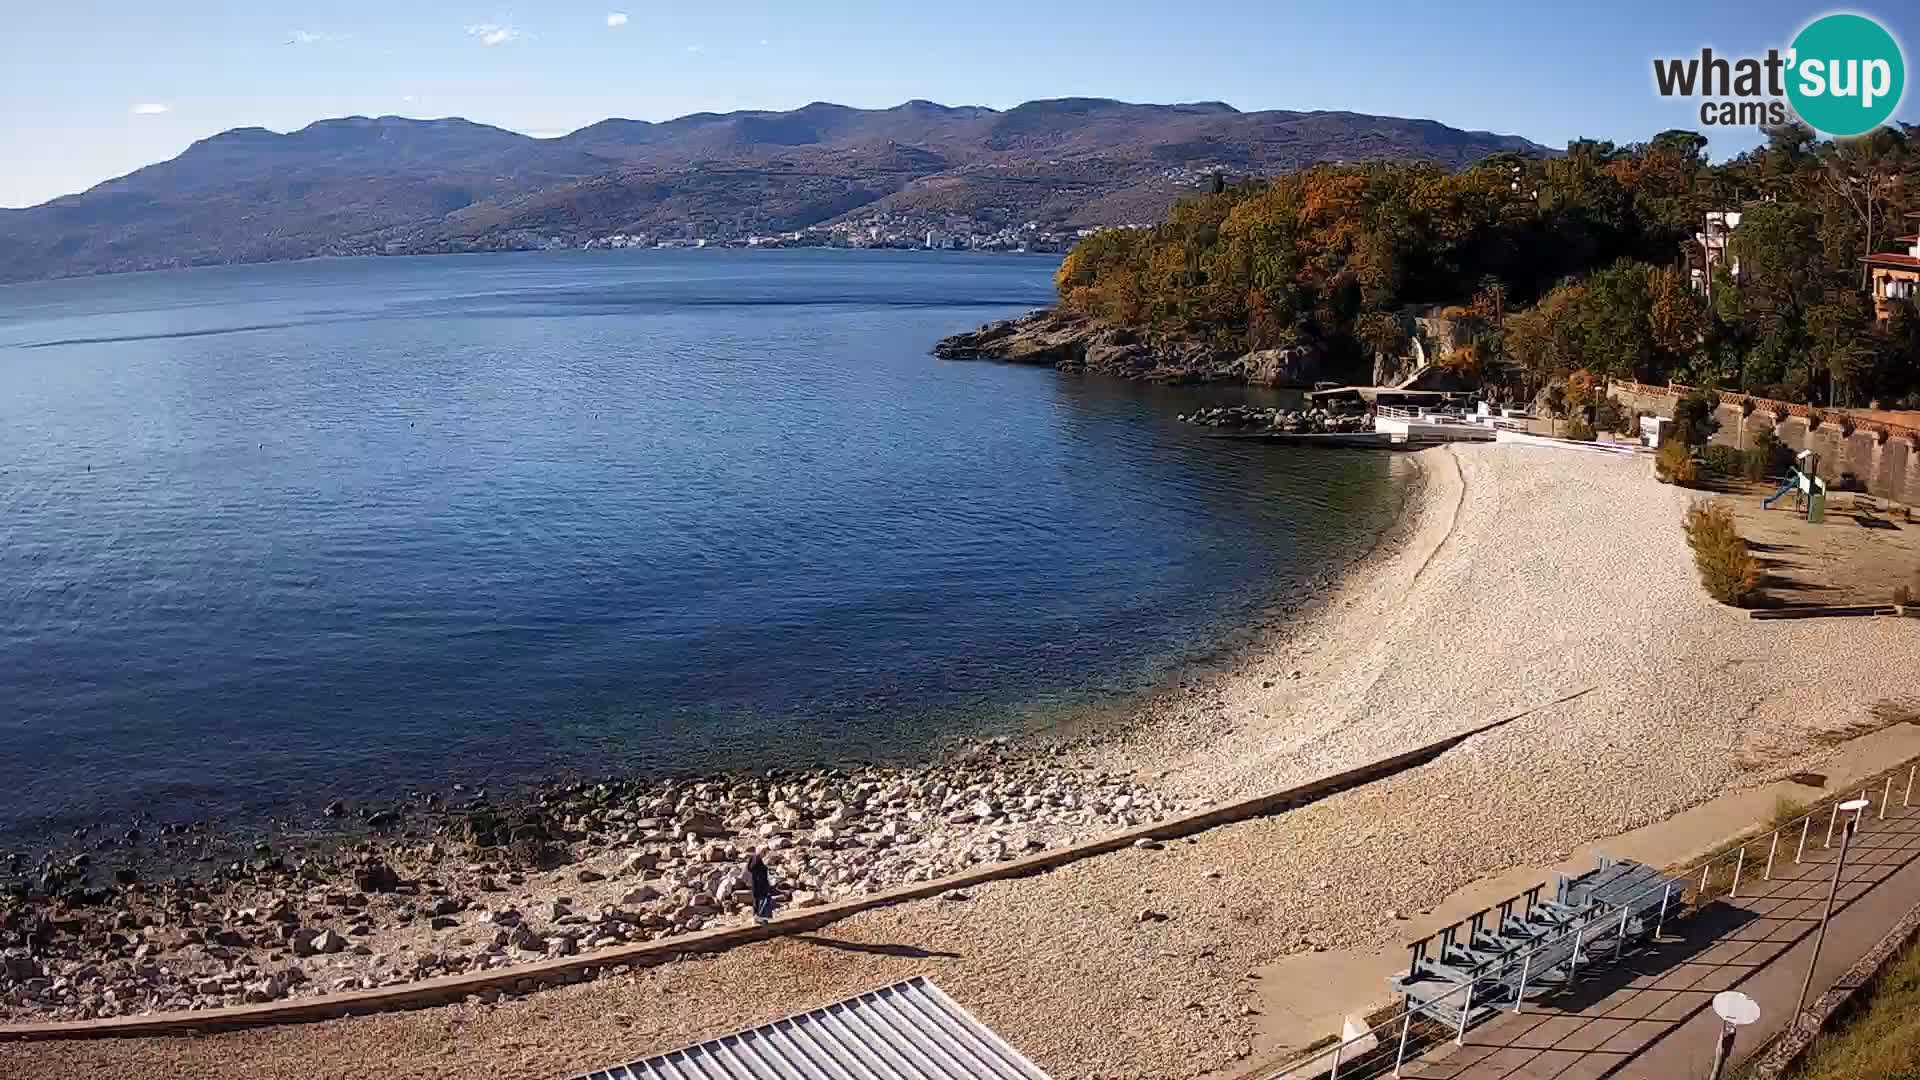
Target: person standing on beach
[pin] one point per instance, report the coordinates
(762, 888)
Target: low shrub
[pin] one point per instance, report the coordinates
(1674, 464)
(1728, 570)
(1609, 416)
(1736, 463)
(1579, 430)
(1774, 455)
(1724, 460)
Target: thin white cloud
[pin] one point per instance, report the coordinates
(314, 37)
(693, 50)
(151, 108)
(492, 33)
(763, 41)
(616, 18)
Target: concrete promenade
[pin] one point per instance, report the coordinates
(1650, 1016)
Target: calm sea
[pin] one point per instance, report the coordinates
(274, 535)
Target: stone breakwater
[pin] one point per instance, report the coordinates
(478, 886)
(1071, 342)
(1290, 421)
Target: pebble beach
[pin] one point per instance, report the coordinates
(1546, 585)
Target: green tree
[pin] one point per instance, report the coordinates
(1693, 419)
(1784, 275)
(1840, 330)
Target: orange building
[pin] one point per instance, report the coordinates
(1895, 274)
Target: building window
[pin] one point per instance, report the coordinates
(1899, 289)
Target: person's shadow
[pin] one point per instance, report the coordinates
(912, 952)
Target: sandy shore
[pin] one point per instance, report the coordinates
(1520, 576)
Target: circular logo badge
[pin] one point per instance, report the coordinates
(1847, 74)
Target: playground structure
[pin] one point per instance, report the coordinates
(1809, 491)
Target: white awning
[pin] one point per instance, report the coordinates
(907, 1031)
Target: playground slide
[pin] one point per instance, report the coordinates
(1812, 488)
(1792, 483)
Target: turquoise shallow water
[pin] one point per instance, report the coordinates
(272, 535)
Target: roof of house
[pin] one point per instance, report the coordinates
(908, 1031)
(1892, 260)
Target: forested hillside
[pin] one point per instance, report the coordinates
(1580, 262)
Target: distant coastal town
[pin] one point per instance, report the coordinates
(992, 228)
(917, 231)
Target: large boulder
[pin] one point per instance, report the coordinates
(374, 875)
(1291, 365)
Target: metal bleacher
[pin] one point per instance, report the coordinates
(1526, 947)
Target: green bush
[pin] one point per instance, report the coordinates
(1674, 464)
(1727, 569)
(1609, 416)
(1773, 455)
(1579, 430)
(1736, 463)
(1693, 419)
(1724, 460)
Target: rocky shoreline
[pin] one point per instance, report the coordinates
(445, 888)
(1077, 343)
(1256, 418)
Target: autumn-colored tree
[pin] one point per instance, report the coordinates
(1579, 262)
(1381, 332)
(1677, 316)
(1580, 390)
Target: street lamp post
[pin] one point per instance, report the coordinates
(1736, 1010)
(1853, 807)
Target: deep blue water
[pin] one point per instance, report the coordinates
(271, 535)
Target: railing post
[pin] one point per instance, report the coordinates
(1620, 938)
(1466, 1008)
(1885, 793)
(1832, 820)
(1907, 799)
(1797, 852)
(1739, 864)
(1661, 923)
(1520, 995)
(1406, 1025)
(1573, 972)
(1705, 869)
(1771, 848)
(1338, 1049)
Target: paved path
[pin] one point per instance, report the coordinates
(1650, 1017)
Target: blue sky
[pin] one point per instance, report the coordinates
(95, 89)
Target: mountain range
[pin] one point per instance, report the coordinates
(360, 185)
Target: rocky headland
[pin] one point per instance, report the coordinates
(1072, 342)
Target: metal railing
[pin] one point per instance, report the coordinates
(1415, 1029)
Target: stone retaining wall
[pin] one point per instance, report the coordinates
(1790, 1048)
(1884, 458)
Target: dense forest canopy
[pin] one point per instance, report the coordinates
(1572, 263)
